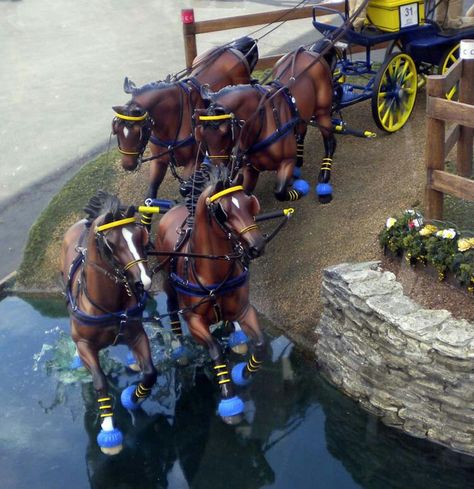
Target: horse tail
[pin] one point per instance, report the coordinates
(248, 47)
(330, 52)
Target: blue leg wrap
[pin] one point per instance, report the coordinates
(76, 363)
(127, 398)
(301, 186)
(237, 338)
(323, 189)
(238, 375)
(230, 407)
(297, 172)
(109, 439)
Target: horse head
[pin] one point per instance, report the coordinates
(234, 212)
(132, 126)
(121, 243)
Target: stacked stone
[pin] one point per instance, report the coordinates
(412, 367)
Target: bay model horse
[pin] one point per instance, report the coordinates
(263, 126)
(103, 264)
(161, 112)
(212, 237)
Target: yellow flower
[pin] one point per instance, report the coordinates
(428, 230)
(465, 244)
(390, 222)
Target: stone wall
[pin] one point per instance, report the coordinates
(412, 367)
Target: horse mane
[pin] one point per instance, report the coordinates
(101, 203)
(155, 85)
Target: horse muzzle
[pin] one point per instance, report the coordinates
(129, 161)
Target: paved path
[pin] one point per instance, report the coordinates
(62, 69)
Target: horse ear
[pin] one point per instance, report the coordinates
(239, 179)
(128, 85)
(109, 217)
(219, 187)
(118, 108)
(206, 92)
(130, 212)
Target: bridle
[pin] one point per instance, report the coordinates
(145, 132)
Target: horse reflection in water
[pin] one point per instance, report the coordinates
(262, 127)
(217, 233)
(161, 112)
(103, 263)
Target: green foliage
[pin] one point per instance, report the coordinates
(446, 249)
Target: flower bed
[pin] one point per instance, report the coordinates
(447, 249)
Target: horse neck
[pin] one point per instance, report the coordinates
(207, 238)
(101, 289)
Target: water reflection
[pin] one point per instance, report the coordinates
(299, 431)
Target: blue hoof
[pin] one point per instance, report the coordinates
(297, 172)
(301, 186)
(130, 360)
(76, 363)
(127, 398)
(230, 407)
(323, 189)
(237, 338)
(238, 375)
(110, 441)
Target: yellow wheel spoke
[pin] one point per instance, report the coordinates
(451, 93)
(452, 58)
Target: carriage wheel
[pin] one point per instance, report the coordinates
(394, 94)
(450, 56)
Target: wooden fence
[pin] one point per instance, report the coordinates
(192, 28)
(439, 141)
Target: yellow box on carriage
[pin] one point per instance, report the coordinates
(393, 15)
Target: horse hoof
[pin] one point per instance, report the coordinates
(230, 409)
(301, 186)
(233, 420)
(110, 442)
(324, 191)
(238, 342)
(126, 398)
(132, 363)
(76, 363)
(297, 172)
(238, 375)
(180, 356)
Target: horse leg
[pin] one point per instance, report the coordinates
(324, 188)
(300, 137)
(250, 178)
(109, 438)
(284, 174)
(242, 372)
(157, 173)
(133, 395)
(230, 407)
(179, 352)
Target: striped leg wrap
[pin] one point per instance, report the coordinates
(299, 150)
(142, 392)
(222, 374)
(253, 364)
(105, 407)
(146, 219)
(326, 164)
(293, 195)
(176, 327)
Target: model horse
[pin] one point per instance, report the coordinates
(162, 112)
(210, 240)
(263, 126)
(103, 264)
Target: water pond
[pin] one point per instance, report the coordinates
(299, 432)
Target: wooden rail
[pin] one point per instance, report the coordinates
(438, 144)
(192, 28)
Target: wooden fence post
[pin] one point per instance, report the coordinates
(466, 95)
(434, 152)
(189, 36)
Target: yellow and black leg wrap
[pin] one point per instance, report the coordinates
(222, 374)
(253, 365)
(299, 154)
(176, 327)
(325, 171)
(293, 195)
(142, 392)
(105, 407)
(146, 219)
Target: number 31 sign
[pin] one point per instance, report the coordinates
(408, 15)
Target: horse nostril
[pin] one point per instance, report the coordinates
(128, 163)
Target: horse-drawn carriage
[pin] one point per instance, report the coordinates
(418, 41)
